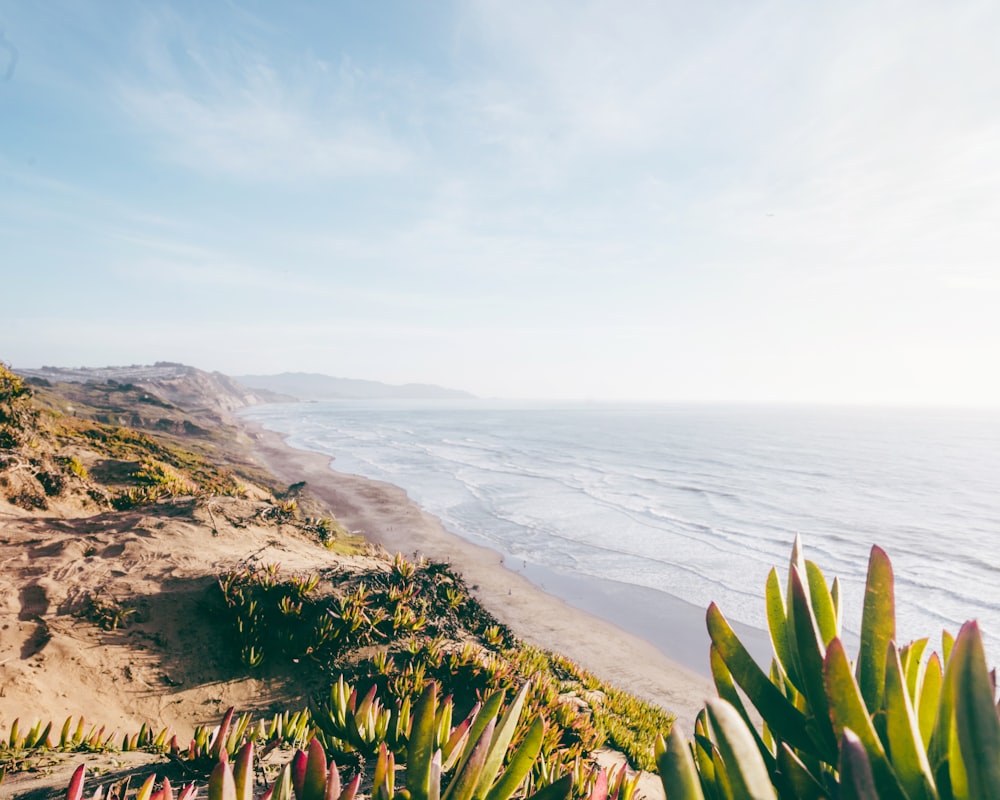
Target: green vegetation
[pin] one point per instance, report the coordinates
(427, 629)
(107, 612)
(475, 760)
(892, 724)
(17, 414)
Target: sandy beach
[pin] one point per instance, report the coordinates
(385, 515)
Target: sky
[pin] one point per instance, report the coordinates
(585, 200)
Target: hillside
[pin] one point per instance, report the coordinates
(193, 389)
(154, 575)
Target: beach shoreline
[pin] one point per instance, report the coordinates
(385, 515)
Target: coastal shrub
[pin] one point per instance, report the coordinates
(17, 414)
(475, 759)
(891, 724)
(423, 635)
(107, 612)
(75, 466)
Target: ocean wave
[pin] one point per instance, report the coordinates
(692, 501)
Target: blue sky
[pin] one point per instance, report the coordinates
(753, 201)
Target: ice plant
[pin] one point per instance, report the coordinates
(889, 725)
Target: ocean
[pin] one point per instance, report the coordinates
(694, 503)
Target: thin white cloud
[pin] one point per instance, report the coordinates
(231, 112)
(255, 137)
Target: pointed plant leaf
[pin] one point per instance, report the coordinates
(947, 642)
(502, 736)
(835, 596)
(486, 717)
(822, 603)
(332, 790)
(422, 744)
(146, 790)
(298, 772)
(745, 769)
(520, 762)
(727, 691)
(777, 621)
(223, 733)
(600, 788)
(703, 753)
(856, 780)
(434, 788)
(221, 785)
(453, 747)
(75, 791)
(678, 773)
(283, 787)
(911, 656)
(464, 783)
(848, 712)
(381, 765)
(721, 786)
(878, 628)
(243, 772)
(351, 789)
(314, 785)
(783, 718)
(929, 697)
(976, 714)
(802, 784)
(909, 758)
(806, 643)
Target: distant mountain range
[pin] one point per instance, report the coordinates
(191, 387)
(312, 386)
(175, 383)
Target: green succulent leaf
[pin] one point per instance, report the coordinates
(822, 603)
(422, 744)
(463, 785)
(777, 621)
(727, 691)
(502, 736)
(678, 773)
(848, 712)
(486, 716)
(243, 772)
(745, 769)
(802, 783)
(909, 759)
(807, 644)
(520, 763)
(930, 696)
(976, 714)
(910, 657)
(783, 718)
(878, 628)
(703, 753)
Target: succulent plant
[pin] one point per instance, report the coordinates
(889, 725)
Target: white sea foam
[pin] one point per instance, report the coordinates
(698, 502)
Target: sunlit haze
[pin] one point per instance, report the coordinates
(747, 202)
